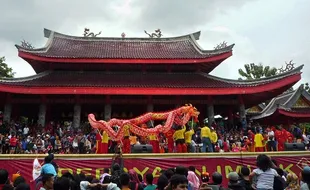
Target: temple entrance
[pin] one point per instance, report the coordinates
(26, 113)
(127, 111)
(96, 109)
(60, 112)
(164, 107)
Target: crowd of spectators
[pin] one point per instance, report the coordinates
(266, 176)
(61, 138)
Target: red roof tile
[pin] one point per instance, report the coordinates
(64, 46)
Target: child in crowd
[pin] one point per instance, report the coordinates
(264, 173)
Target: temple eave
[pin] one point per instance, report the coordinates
(133, 90)
(295, 114)
(43, 58)
(57, 82)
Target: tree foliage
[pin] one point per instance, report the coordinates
(5, 70)
(256, 71)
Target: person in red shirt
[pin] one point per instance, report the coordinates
(13, 144)
(225, 145)
(289, 136)
(102, 143)
(251, 136)
(247, 145)
(170, 141)
(153, 139)
(280, 137)
(126, 141)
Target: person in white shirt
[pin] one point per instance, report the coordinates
(25, 131)
(264, 174)
(306, 140)
(271, 144)
(105, 173)
(86, 184)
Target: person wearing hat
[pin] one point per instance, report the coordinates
(49, 167)
(205, 177)
(234, 183)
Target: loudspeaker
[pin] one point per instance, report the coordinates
(142, 148)
(294, 146)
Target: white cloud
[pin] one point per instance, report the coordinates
(270, 32)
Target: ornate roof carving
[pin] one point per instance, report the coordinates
(87, 33)
(65, 46)
(255, 109)
(288, 67)
(301, 103)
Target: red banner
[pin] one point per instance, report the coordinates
(94, 165)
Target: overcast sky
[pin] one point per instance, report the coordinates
(266, 31)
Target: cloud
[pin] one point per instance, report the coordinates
(270, 32)
(182, 14)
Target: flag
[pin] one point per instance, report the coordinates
(36, 171)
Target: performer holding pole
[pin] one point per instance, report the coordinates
(126, 141)
(153, 139)
(188, 139)
(102, 142)
(179, 140)
(170, 140)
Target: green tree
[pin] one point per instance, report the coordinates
(5, 70)
(254, 71)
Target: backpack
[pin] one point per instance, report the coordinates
(278, 183)
(115, 178)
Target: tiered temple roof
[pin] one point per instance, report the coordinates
(289, 107)
(137, 66)
(62, 48)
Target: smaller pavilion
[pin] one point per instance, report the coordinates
(288, 108)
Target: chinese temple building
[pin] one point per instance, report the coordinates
(125, 77)
(287, 108)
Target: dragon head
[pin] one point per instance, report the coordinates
(191, 110)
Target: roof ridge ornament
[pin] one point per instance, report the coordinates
(123, 35)
(288, 67)
(90, 34)
(26, 45)
(156, 34)
(221, 45)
